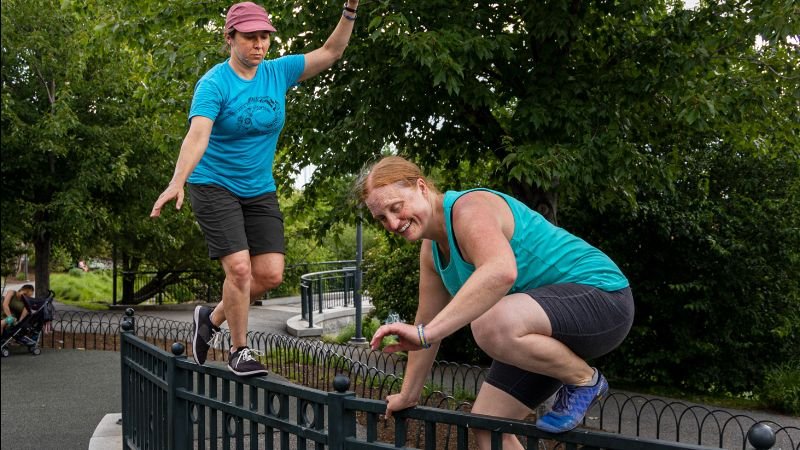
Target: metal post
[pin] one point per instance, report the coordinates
(114, 275)
(128, 328)
(320, 293)
(179, 424)
(341, 421)
(346, 288)
(304, 302)
(359, 337)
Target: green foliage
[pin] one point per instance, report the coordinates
(781, 388)
(60, 259)
(368, 327)
(713, 265)
(90, 290)
(392, 279)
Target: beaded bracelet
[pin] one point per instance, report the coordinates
(350, 18)
(421, 333)
(349, 9)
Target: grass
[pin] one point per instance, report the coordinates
(89, 290)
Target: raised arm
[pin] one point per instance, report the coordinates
(192, 149)
(326, 56)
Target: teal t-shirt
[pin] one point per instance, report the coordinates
(545, 253)
(248, 118)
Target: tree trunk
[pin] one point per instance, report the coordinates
(129, 266)
(41, 246)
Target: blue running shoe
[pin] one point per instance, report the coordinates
(572, 403)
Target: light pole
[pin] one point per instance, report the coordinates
(358, 339)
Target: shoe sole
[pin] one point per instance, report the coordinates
(195, 335)
(252, 373)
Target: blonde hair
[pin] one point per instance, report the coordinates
(388, 170)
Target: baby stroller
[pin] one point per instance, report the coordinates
(28, 331)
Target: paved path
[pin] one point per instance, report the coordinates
(55, 400)
(66, 399)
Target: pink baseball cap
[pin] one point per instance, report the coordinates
(248, 17)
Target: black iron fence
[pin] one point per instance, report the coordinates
(373, 375)
(169, 402)
(325, 290)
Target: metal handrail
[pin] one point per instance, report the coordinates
(319, 283)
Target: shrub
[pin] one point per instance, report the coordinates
(60, 259)
(368, 327)
(781, 388)
(393, 279)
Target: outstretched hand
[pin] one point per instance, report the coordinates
(171, 192)
(407, 337)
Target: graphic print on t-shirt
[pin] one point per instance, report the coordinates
(259, 115)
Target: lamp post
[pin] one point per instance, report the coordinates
(358, 339)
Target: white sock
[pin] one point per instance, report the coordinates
(593, 381)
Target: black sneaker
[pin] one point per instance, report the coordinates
(243, 364)
(205, 336)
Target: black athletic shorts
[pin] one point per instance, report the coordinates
(590, 321)
(231, 223)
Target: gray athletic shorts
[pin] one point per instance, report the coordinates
(232, 224)
(590, 321)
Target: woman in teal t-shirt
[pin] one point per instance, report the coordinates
(236, 117)
(540, 301)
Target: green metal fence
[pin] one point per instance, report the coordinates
(168, 402)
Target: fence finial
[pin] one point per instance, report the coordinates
(761, 436)
(178, 348)
(127, 322)
(341, 383)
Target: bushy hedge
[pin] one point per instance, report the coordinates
(714, 269)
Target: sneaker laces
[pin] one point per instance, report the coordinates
(215, 339)
(563, 397)
(246, 353)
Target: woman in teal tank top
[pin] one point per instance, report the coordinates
(539, 300)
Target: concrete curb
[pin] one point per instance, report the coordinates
(108, 433)
(298, 327)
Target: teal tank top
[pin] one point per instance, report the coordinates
(545, 253)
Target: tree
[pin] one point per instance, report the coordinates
(42, 61)
(626, 109)
(551, 99)
(77, 136)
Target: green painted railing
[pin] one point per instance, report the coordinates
(168, 402)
